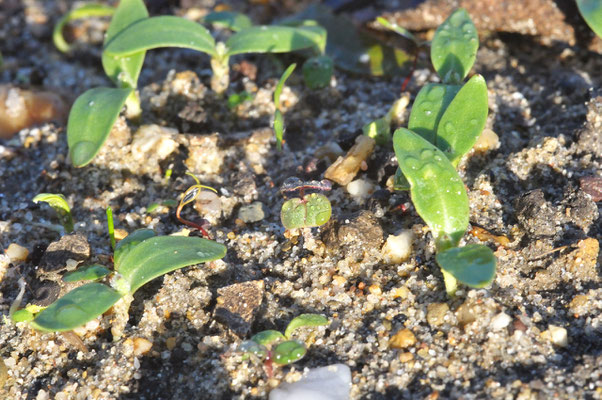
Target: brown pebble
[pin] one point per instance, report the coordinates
(3, 373)
(435, 314)
(170, 343)
(405, 357)
(345, 168)
(141, 346)
(592, 185)
(402, 339)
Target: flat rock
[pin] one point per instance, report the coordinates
(362, 233)
(332, 382)
(535, 215)
(237, 304)
(74, 246)
(252, 212)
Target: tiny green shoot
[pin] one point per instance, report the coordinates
(85, 11)
(189, 196)
(111, 227)
(278, 117)
(59, 203)
(445, 122)
(236, 99)
(306, 210)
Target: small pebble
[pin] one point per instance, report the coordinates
(360, 188)
(488, 140)
(252, 213)
(592, 185)
(170, 343)
(398, 248)
(16, 253)
(557, 335)
(332, 382)
(435, 314)
(500, 321)
(141, 346)
(402, 339)
(405, 357)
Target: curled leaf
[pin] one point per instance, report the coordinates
(59, 204)
(87, 273)
(85, 11)
(305, 320)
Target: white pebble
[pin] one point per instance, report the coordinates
(500, 321)
(360, 188)
(16, 252)
(398, 248)
(558, 335)
(332, 382)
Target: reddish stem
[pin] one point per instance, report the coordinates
(191, 224)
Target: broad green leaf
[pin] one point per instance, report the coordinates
(473, 265)
(22, 315)
(464, 120)
(164, 31)
(249, 347)
(275, 39)
(591, 10)
(313, 210)
(87, 273)
(162, 254)
(124, 71)
(280, 84)
(77, 307)
(85, 11)
(129, 242)
(317, 71)
(266, 338)
(228, 19)
(90, 121)
(399, 30)
(288, 352)
(428, 108)
(436, 189)
(304, 320)
(278, 128)
(59, 204)
(454, 47)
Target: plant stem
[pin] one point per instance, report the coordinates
(132, 105)
(221, 71)
(111, 227)
(451, 284)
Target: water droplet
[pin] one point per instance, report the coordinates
(449, 127)
(90, 103)
(427, 154)
(428, 112)
(365, 58)
(467, 27)
(175, 251)
(83, 152)
(200, 254)
(473, 122)
(411, 162)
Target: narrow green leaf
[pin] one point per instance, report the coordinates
(473, 265)
(85, 11)
(305, 320)
(88, 273)
(159, 255)
(280, 84)
(464, 120)
(124, 71)
(288, 352)
(164, 31)
(59, 204)
(317, 71)
(129, 242)
(428, 108)
(399, 30)
(591, 10)
(278, 128)
(267, 338)
(454, 47)
(229, 20)
(436, 189)
(313, 210)
(77, 307)
(90, 121)
(275, 39)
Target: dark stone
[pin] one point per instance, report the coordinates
(46, 293)
(363, 232)
(592, 185)
(590, 138)
(536, 216)
(581, 210)
(74, 246)
(237, 304)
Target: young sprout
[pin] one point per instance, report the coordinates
(591, 11)
(446, 120)
(317, 71)
(188, 197)
(59, 204)
(111, 227)
(85, 11)
(278, 118)
(273, 347)
(307, 210)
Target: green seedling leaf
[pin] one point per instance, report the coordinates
(88, 273)
(435, 187)
(454, 47)
(129, 242)
(473, 265)
(379, 130)
(280, 84)
(124, 71)
(317, 71)
(111, 226)
(22, 315)
(288, 352)
(156, 256)
(229, 20)
(278, 128)
(464, 120)
(278, 117)
(267, 338)
(164, 31)
(428, 108)
(90, 121)
(399, 30)
(313, 210)
(305, 320)
(88, 10)
(275, 39)
(59, 204)
(251, 348)
(591, 10)
(77, 307)
(234, 100)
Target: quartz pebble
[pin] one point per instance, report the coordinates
(398, 248)
(557, 335)
(252, 213)
(500, 321)
(141, 346)
(16, 252)
(360, 188)
(332, 382)
(488, 140)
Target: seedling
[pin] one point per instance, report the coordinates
(446, 120)
(236, 99)
(591, 11)
(139, 258)
(85, 11)
(273, 347)
(278, 118)
(306, 210)
(189, 196)
(317, 71)
(59, 204)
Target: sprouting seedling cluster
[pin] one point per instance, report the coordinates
(445, 122)
(273, 347)
(132, 33)
(591, 10)
(306, 210)
(139, 258)
(60, 205)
